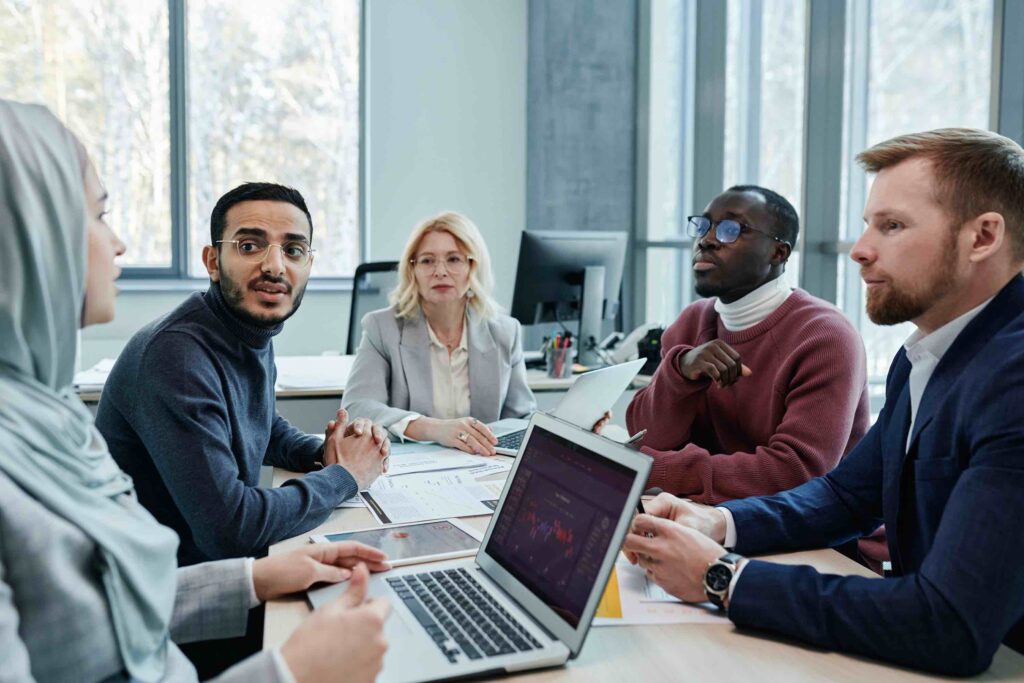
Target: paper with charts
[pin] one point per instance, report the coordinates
(429, 495)
(409, 458)
(630, 599)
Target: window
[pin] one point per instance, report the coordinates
(271, 92)
(97, 67)
(274, 96)
(911, 65)
(764, 54)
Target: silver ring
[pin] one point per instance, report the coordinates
(463, 436)
(473, 422)
(385, 462)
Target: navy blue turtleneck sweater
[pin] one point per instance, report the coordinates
(189, 412)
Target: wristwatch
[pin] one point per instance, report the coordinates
(718, 577)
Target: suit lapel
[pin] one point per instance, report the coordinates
(414, 348)
(1005, 307)
(894, 451)
(484, 370)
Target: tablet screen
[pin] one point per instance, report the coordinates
(412, 541)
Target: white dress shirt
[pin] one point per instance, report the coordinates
(924, 351)
(450, 375)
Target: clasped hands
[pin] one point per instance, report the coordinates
(360, 446)
(675, 542)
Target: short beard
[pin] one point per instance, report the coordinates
(234, 296)
(900, 306)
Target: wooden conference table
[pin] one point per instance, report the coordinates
(674, 652)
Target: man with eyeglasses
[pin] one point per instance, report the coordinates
(761, 387)
(189, 408)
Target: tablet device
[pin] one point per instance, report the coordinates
(412, 543)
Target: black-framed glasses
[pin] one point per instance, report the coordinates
(726, 231)
(255, 249)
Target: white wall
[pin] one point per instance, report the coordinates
(446, 129)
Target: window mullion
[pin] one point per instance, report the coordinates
(178, 93)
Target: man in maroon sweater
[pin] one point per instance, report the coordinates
(761, 387)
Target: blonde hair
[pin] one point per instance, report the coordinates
(406, 295)
(976, 171)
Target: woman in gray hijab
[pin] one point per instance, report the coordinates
(89, 589)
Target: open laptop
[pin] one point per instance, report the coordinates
(527, 599)
(584, 403)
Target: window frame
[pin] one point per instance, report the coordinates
(176, 275)
(834, 26)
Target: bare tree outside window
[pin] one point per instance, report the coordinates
(101, 67)
(274, 96)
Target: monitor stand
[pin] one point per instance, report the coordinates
(591, 314)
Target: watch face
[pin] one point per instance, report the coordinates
(718, 577)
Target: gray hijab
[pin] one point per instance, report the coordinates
(48, 444)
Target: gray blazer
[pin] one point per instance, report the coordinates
(55, 622)
(391, 377)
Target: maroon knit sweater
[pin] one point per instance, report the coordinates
(803, 408)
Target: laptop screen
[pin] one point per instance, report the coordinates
(558, 519)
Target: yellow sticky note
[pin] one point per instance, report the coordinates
(610, 606)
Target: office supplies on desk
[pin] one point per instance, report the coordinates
(527, 599)
(592, 394)
(410, 458)
(427, 496)
(407, 544)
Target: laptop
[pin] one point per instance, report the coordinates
(527, 599)
(584, 403)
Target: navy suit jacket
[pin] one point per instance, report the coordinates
(953, 508)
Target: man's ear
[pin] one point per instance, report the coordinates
(211, 260)
(986, 235)
(781, 254)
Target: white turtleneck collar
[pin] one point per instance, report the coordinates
(755, 306)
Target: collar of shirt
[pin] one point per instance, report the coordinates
(757, 305)
(921, 346)
(463, 345)
(924, 351)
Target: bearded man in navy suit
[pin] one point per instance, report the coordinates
(942, 468)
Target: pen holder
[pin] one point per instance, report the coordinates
(559, 360)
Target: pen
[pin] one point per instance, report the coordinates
(635, 438)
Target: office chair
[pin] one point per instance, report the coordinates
(370, 288)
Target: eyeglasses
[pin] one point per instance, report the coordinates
(254, 250)
(455, 264)
(726, 231)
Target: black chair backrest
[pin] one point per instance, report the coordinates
(370, 288)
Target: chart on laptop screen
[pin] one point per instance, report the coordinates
(558, 520)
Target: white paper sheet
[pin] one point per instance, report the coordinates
(95, 377)
(497, 466)
(313, 372)
(413, 458)
(425, 496)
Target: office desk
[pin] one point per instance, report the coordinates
(673, 652)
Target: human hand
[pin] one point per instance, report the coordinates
(602, 422)
(343, 640)
(674, 556)
(705, 519)
(361, 455)
(715, 360)
(295, 571)
(467, 434)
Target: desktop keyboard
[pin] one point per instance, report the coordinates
(512, 440)
(460, 616)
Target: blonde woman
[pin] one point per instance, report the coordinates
(441, 362)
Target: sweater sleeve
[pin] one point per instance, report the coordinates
(820, 406)
(292, 448)
(669, 392)
(184, 425)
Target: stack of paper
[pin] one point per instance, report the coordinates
(313, 372)
(430, 495)
(95, 377)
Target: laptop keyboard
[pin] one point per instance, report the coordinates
(512, 440)
(460, 616)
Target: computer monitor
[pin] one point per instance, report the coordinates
(568, 275)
